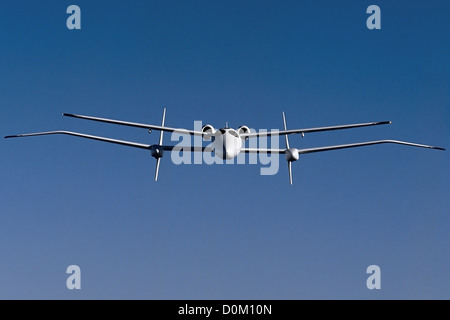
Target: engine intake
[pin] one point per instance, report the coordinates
(243, 130)
(209, 130)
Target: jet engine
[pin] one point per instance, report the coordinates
(209, 130)
(243, 129)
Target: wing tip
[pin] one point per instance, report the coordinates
(438, 148)
(13, 136)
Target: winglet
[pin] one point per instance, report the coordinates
(14, 136)
(70, 115)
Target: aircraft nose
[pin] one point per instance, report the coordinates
(229, 154)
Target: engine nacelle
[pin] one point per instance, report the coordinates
(292, 154)
(209, 130)
(243, 129)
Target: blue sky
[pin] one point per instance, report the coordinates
(224, 231)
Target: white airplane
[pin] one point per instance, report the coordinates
(227, 143)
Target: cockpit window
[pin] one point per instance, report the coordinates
(233, 133)
(222, 131)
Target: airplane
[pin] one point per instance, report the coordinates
(227, 143)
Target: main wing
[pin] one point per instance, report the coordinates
(265, 151)
(135, 124)
(318, 129)
(115, 141)
(362, 144)
(87, 136)
(337, 147)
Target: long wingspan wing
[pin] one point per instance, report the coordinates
(257, 150)
(121, 142)
(187, 149)
(137, 125)
(361, 144)
(337, 147)
(302, 131)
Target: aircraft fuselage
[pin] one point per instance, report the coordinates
(227, 143)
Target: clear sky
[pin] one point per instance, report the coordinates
(224, 231)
